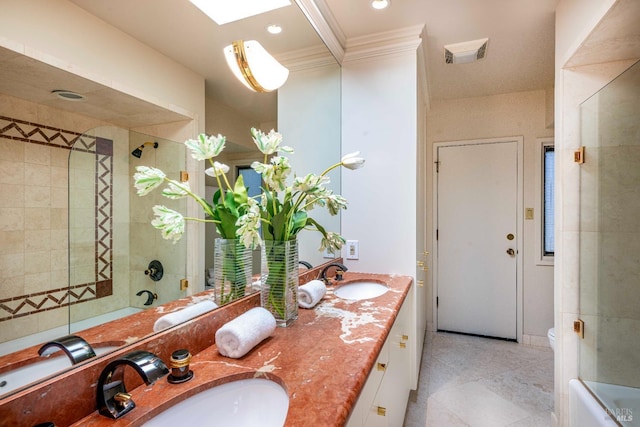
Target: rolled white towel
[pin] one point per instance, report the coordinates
(236, 337)
(183, 315)
(311, 293)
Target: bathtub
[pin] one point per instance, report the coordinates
(620, 402)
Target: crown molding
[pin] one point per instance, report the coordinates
(305, 59)
(325, 24)
(382, 44)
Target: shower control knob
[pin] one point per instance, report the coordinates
(154, 270)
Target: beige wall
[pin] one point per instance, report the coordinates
(65, 36)
(497, 116)
(230, 123)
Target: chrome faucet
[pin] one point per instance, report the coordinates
(340, 269)
(75, 347)
(112, 399)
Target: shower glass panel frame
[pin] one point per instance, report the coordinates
(609, 236)
(111, 239)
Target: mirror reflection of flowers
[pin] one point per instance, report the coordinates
(228, 203)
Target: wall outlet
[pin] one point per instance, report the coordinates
(353, 252)
(328, 254)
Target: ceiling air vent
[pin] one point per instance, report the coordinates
(462, 53)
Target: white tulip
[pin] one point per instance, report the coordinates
(353, 161)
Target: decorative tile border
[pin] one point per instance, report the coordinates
(26, 305)
(33, 133)
(104, 208)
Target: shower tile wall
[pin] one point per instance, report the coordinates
(34, 150)
(146, 242)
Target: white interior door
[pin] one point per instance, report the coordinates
(477, 188)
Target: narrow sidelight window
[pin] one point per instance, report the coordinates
(548, 166)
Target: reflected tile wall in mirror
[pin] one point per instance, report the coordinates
(33, 215)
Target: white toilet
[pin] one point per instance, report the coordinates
(551, 334)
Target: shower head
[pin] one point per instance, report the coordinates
(138, 151)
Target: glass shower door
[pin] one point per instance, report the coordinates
(610, 240)
(111, 239)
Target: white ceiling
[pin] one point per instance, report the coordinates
(520, 54)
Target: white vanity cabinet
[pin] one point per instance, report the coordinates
(384, 397)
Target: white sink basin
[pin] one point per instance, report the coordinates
(360, 290)
(36, 371)
(241, 403)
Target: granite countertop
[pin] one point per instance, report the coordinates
(137, 327)
(323, 360)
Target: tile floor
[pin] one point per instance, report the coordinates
(472, 381)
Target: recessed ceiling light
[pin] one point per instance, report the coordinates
(67, 95)
(223, 12)
(380, 4)
(274, 29)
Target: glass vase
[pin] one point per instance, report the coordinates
(231, 270)
(279, 280)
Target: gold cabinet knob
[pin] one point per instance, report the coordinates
(420, 283)
(420, 263)
(426, 253)
(405, 337)
(382, 411)
(403, 345)
(381, 366)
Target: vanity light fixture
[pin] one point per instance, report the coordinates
(465, 52)
(254, 66)
(380, 4)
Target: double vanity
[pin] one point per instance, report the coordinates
(344, 362)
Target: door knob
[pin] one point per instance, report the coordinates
(511, 252)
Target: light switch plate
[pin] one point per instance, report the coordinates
(327, 254)
(528, 213)
(353, 252)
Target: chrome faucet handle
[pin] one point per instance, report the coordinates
(112, 398)
(75, 347)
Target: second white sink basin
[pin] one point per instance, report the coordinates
(241, 403)
(360, 290)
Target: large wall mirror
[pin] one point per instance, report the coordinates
(87, 265)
